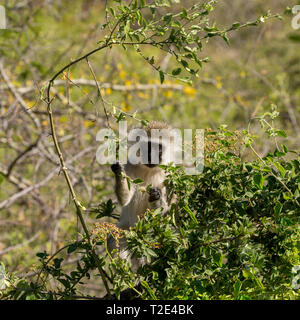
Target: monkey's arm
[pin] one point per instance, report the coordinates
(122, 191)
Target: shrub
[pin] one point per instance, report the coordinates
(233, 232)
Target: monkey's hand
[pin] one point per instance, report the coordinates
(154, 194)
(117, 168)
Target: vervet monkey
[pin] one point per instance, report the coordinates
(134, 202)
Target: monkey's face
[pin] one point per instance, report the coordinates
(154, 154)
(151, 149)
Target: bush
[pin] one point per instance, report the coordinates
(232, 234)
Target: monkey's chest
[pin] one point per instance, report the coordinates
(139, 203)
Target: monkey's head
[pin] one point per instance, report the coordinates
(154, 144)
(156, 147)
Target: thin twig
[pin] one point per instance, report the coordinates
(99, 92)
(20, 245)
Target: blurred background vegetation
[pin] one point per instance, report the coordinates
(259, 67)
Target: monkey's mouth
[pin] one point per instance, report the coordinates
(150, 165)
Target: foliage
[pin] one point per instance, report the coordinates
(234, 231)
(233, 235)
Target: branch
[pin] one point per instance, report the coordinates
(19, 99)
(20, 244)
(6, 203)
(64, 168)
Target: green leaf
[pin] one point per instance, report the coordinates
(128, 182)
(185, 64)
(218, 259)
(161, 76)
(237, 287)
(176, 71)
(144, 123)
(294, 37)
(285, 149)
(65, 282)
(225, 38)
(258, 180)
(149, 290)
(277, 210)
(280, 168)
(296, 164)
(281, 133)
(42, 255)
(249, 194)
(235, 25)
(127, 27)
(138, 181)
(57, 262)
(112, 11)
(151, 61)
(167, 18)
(72, 247)
(286, 196)
(184, 13)
(191, 214)
(278, 153)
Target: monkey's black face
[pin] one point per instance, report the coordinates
(152, 163)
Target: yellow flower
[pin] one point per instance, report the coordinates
(218, 82)
(219, 85)
(88, 123)
(16, 83)
(143, 95)
(189, 90)
(238, 97)
(243, 74)
(108, 91)
(127, 83)
(125, 107)
(29, 103)
(122, 74)
(63, 119)
(168, 93)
